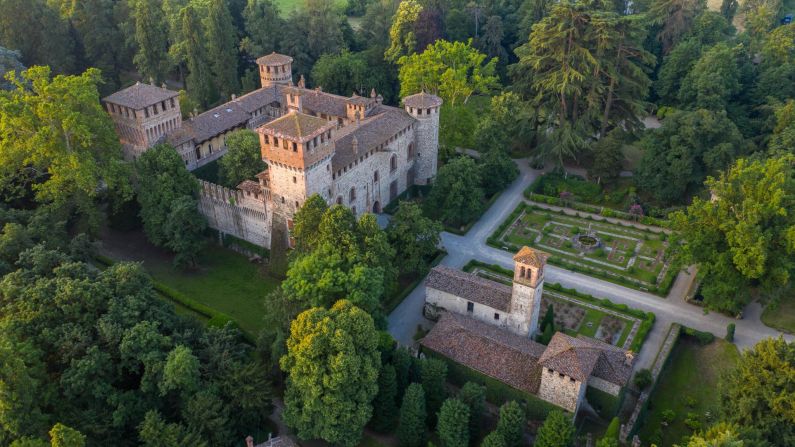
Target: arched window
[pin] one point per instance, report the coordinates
(523, 272)
(393, 163)
(375, 176)
(339, 200)
(352, 195)
(410, 152)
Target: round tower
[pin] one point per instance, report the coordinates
(275, 68)
(425, 108)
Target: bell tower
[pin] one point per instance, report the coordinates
(528, 286)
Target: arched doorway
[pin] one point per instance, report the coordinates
(377, 207)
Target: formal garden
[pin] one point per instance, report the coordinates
(618, 252)
(574, 313)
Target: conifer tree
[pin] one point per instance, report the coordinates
(384, 406)
(433, 373)
(199, 81)
(557, 431)
(411, 429)
(511, 424)
(152, 40)
(222, 41)
(474, 396)
(401, 360)
(493, 439)
(453, 426)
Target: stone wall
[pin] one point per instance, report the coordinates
(603, 385)
(427, 142)
(561, 390)
(243, 215)
(458, 305)
(525, 307)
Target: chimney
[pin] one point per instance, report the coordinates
(302, 82)
(372, 93)
(164, 86)
(249, 441)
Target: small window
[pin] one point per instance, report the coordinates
(267, 139)
(172, 103)
(294, 180)
(296, 204)
(352, 195)
(470, 306)
(198, 153)
(295, 147)
(393, 163)
(375, 176)
(275, 141)
(339, 200)
(496, 316)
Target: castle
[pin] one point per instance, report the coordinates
(354, 151)
(487, 326)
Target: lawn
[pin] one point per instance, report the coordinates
(687, 387)
(632, 255)
(782, 316)
(288, 6)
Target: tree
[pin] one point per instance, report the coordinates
(784, 132)
(63, 436)
(497, 171)
(676, 65)
(720, 435)
(332, 364)
(713, 80)
(99, 35)
(493, 439)
(674, 19)
(474, 396)
(385, 404)
(452, 70)
(184, 231)
(453, 426)
(613, 430)
(643, 379)
(401, 360)
(689, 146)
(155, 432)
(199, 81)
(10, 60)
(59, 142)
(34, 28)
(306, 223)
(743, 233)
(343, 73)
(491, 42)
(181, 371)
(457, 196)
(754, 394)
(324, 27)
(557, 431)
(433, 374)
(411, 429)
(509, 124)
(608, 159)
(549, 317)
(162, 179)
(221, 39)
(151, 39)
(511, 424)
(242, 160)
(414, 237)
(402, 40)
(261, 18)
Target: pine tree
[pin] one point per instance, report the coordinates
(493, 439)
(433, 373)
(199, 81)
(557, 431)
(222, 47)
(511, 424)
(384, 406)
(453, 426)
(474, 396)
(152, 40)
(401, 360)
(411, 429)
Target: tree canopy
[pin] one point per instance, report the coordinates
(243, 160)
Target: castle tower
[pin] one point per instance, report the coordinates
(425, 108)
(274, 69)
(297, 149)
(528, 286)
(143, 114)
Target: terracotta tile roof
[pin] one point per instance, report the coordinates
(140, 95)
(470, 287)
(297, 126)
(532, 257)
(422, 100)
(383, 123)
(488, 349)
(264, 175)
(182, 135)
(582, 357)
(218, 120)
(249, 186)
(274, 59)
(259, 98)
(326, 103)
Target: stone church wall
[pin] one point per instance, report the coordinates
(243, 215)
(603, 385)
(458, 305)
(561, 390)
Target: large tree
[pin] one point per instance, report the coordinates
(385, 410)
(744, 234)
(402, 38)
(414, 237)
(332, 364)
(497, 171)
(511, 424)
(557, 431)
(433, 374)
(714, 79)
(453, 425)
(411, 429)
(758, 393)
(344, 73)
(222, 41)
(457, 196)
(59, 142)
(452, 70)
(674, 19)
(151, 38)
(262, 19)
(34, 28)
(509, 124)
(199, 81)
(243, 160)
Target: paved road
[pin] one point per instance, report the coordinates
(403, 321)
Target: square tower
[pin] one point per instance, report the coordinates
(528, 286)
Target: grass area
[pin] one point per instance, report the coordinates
(687, 387)
(226, 281)
(781, 316)
(288, 6)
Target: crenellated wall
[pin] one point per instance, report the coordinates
(241, 214)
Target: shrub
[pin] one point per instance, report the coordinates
(643, 379)
(692, 421)
(730, 332)
(668, 416)
(703, 338)
(411, 429)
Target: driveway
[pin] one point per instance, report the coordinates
(403, 321)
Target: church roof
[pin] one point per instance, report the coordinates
(531, 257)
(582, 357)
(488, 349)
(274, 59)
(140, 95)
(296, 126)
(470, 287)
(422, 101)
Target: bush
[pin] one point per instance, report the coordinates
(703, 338)
(730, 332)
(668, 416)
(643, 379)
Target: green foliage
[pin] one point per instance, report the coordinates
(643, 379)
(261, 18)
(493, 439)
(720, 435)
(755, 393)
(221, 41)
(674, 19)
(184, 231)
(433, 374)
(199, 81)
(730, 332)
(452, 70)
(332, 364)
(549, 317)
(453, 425)
(613, 429)
(151, 38)
(713, 80)
(402, 39)
(414, 237)
(474, 396)
(511, 424)
(456, 196)
(607, 156)
(497, 171)
(343, 73)
(385, 409)
(34, 28)
(557, 431)
(509, 124)
(63, 436)
(411, 430)
(242, 160)
(401, 360)
(743, 235)
(59, 142)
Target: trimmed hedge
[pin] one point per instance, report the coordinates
(496, 392)
(703, 338)
(228, 240)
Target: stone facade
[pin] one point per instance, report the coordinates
(561, 390)
(241, 213)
